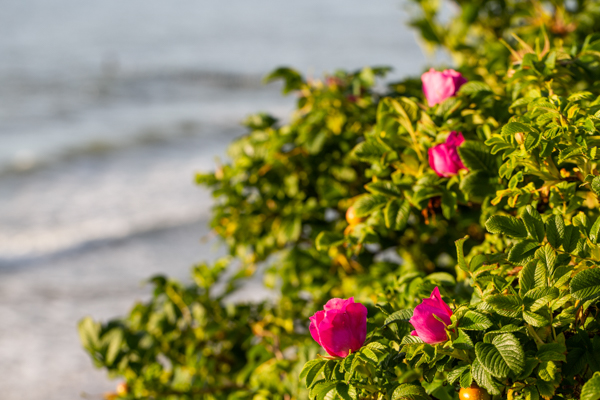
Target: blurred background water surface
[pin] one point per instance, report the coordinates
(107, 108)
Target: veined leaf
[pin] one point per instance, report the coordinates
(591, 389)
(475, 321)
(502, 356)
(396, 214)
(586, 285)
(409, 391)
(367, 204)
(534, 224)
(509, 226)
(476, 157)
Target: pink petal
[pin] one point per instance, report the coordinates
(437, 297)
(335, 333)
(315, 320)
(357, 315)
(428, 328)
(338, 304)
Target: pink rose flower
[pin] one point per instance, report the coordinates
(444, 158)
(438, 86)
(341, 327)
(427, 328)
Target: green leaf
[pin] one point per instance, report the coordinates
(475, 321)
(483, 378)
(401, 315)
(460, 254)
(552, 352)
(346, 392)
(502, 356)
(396, 214)
(555, 231)
(385, 188)
(476, 157)
(292, 79)
(539, 297)
(594, 231)
(535, 319)
(89, 333)
(586, 285)
(515, 127)
(325, 240)
(523, 251)
(506, 305)
(369, 151)
(534, 224)
(463, 341)
(479, 184)
(311, 370)
(368, 355)
(367, 204)
(507, 225)
(546, 389)
(409, 391)
(596, 185)
(456, 373)
(474, 87)
(321, 389)
(571, 237)
(449, 204)
(466, 380)
(591, 389)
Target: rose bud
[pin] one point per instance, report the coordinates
(438, 86)
(444, 158)
(427, 327)
(341, 328)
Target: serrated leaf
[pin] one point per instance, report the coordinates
(551, 352)
(483, 378)
(586, 285)
(368, 203)
(313, 371)
(515, 127)
(539, 297)
(456, 373)
(384, 188)
(534, 224)
(555, 231)
(463, 341)
(523, 251)
(475, 321)
(346, 392)
(507, 305)
(409, 391)
(571, 238)
(596, 185)
(595, 231)
(591, 389)
(396, 214)
(476, 157)
(502, 356)
(507, 225)
(369, 355)
(400, 315)
(535, 319)
(466, 380)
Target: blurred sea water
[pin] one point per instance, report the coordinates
(107, 109)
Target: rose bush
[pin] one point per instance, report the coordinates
(485, 194)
